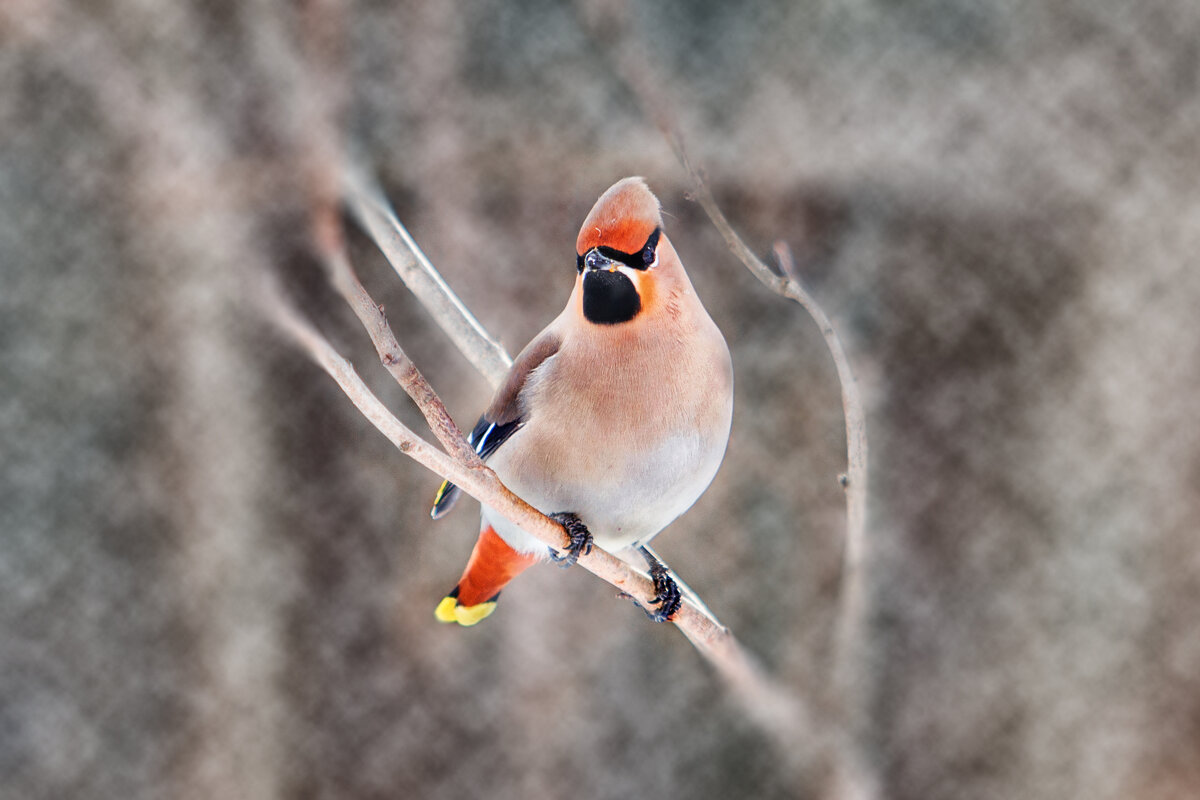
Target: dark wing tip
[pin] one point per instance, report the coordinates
(444, 501)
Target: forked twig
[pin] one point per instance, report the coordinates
(854, 481)
(332, 251)
(372, 211)
(853, 778)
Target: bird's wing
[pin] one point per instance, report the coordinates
(505, 415)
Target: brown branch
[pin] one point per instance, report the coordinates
(325, 169)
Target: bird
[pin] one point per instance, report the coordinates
(613, 420)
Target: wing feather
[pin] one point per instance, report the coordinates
(504, 416)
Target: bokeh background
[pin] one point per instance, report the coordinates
(217, 580)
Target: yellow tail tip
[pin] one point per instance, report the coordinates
(445, 610)
(450, 611)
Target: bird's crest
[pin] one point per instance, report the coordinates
(622, 219)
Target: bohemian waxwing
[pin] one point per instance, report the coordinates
(614, 419)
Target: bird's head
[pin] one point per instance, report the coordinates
(622, 254)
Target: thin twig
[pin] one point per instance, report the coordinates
(855, 480)
(373, 212)
(853, 778)
(331, 249)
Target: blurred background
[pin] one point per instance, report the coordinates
(218, 580)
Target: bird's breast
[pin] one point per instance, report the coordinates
(628, 437)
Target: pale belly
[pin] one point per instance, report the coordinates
(626, 455)
(624, 500)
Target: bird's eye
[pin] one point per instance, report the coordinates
(650, 247)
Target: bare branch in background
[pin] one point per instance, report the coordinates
(372, 211)
(788, 285)
(855, 480)
(341, 274)
(853, 780)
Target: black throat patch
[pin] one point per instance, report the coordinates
(609, 297)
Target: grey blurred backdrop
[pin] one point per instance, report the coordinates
(217, 580)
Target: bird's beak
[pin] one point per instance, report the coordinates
(595, 260)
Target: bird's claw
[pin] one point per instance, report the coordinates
(581, 539)
(667, 596)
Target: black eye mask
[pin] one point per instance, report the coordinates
(642, 259)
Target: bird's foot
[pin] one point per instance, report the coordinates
(581, 539)
(667, 596)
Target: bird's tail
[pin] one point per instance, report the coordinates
(491, 566)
